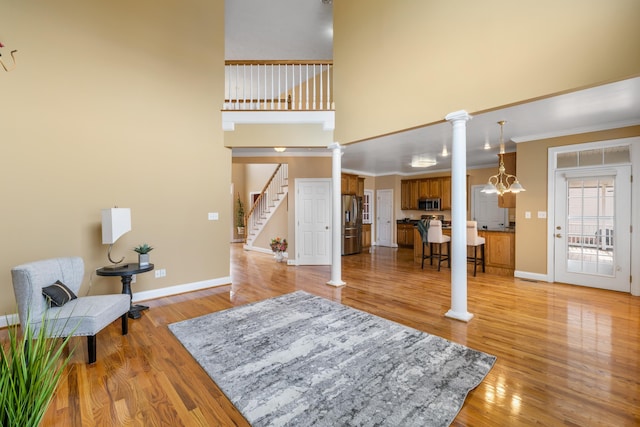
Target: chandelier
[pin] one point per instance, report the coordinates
(502, 182)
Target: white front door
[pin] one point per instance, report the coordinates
(385, 215)
(592, 227)
(313, 221)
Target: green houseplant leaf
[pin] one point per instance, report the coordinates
(143, 249)
(30, 369)
(239, 212)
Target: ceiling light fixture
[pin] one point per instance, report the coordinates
(422, 162)
(280, 149)
(502, 182)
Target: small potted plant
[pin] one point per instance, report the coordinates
(240, 216)
(143, 254)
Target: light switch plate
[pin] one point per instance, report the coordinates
(213, 216)
(542, 214)
(527, 215)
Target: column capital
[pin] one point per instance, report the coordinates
(334, 146)
(458, 115)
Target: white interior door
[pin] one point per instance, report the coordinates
(385, 215)
(592, 227)
(486, 211)
(313, 221)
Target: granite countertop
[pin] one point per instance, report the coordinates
(499, 229)
(492, 230)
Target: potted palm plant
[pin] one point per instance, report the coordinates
(240, 216)
(30, 369)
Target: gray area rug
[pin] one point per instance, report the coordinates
(302, 360)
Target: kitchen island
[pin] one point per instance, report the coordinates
(500, 250)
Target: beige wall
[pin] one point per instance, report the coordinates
(277, 135)
(400, 64)
(531, 236)
(114, 103)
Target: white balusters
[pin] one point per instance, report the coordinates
(329, 74)
(307, 86)
(278, 85)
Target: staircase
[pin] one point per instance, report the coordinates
(273, 193)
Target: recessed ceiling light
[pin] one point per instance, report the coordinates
(445, 153)
(422, 162)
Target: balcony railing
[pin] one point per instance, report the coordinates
(279, 85)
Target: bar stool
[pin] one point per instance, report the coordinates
(435, 237)
(475, 241)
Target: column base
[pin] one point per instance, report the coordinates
(336, 283)
(465, 317)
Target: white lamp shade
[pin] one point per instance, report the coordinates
(489, 188)
(516, 187)
(115, 222)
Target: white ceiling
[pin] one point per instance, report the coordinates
(301, 29)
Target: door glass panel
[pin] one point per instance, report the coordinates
(590, 225)
(567, 160)
(617, 155)
(590, 157)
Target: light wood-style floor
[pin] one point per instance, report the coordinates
(567, 355)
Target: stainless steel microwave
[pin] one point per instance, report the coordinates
(429, 204)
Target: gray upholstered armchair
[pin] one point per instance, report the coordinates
(83, 316)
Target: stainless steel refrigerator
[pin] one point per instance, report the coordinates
(351, 224)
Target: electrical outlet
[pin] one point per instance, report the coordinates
(161, 273)
(133, 278)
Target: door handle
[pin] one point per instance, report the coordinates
(558, 235)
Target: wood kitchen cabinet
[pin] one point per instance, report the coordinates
(349, 183)
(426, 188)
(430, 188)
(360, 191)
(500, 249)
(404, 195)
(435, 188)
(366, 235)
(409, 194)
(423, 189)
(405, 234)
(445, 203)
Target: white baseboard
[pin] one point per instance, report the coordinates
(531, 276)
(180, 289)
(9, 319)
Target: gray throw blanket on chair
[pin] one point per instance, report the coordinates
(423, 228)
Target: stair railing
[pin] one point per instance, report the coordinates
(270, 194)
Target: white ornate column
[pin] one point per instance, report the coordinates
(459, 217)
(336, 232)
